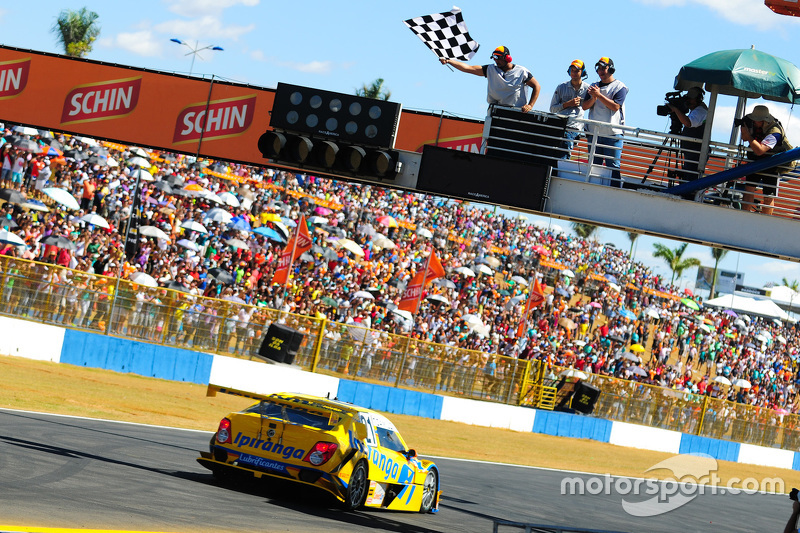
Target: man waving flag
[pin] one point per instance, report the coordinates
(297, 245)
(535, 299)
(446, 34)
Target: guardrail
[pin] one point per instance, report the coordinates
(60, 296)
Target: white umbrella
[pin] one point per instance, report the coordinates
(630, 356)
(139, 162)
(142, 174)
(350, 246)
(580, 344)
(191, 225)
(62, 197)
(761, 338)
(218, 215)
(230, 199)
(614, 287)
(186, 243)
(88, 141)
(317, 220)
(111, 162)
(140, 278)
(212, 197)
(520, 280)
(638, 371)
(704, 327)
(741, 383)
(567, 272)
(464, 271)
(472, 319)
(383, 242)
(652, 313)
(139, 151)
(722, 380)
(25, 130)
(404, 314)
(423, 232)
(483, 269)
(6, 237)
(35, 205)
(781, 339)
(363, 294)
(237, 243)
(438, 298)
(95, 220)
(573, 373)
(152, 231)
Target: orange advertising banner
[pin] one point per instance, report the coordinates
(176, 113)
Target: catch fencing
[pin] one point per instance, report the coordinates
(74, 299)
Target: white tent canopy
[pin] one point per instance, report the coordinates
(751, 306)
(785, 297)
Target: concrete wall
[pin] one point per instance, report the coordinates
(37, 341)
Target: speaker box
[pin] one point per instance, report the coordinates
(584, 398)
(533, 137)
(294, 347)
(276, 343)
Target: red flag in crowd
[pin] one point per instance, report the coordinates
(535, 299)
(409, 301)
(297, 245)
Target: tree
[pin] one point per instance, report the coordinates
(632, 236)
(794, 284)
(717, 254)
(374, 90)
(674, 259)
(584, 231)
(76, 31)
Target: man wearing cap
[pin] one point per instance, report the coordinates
(765, 138)
(507, 82)
(567, 100)
(694, 125)
(605, 101)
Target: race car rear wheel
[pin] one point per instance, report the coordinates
(429, 491)
(357, 489)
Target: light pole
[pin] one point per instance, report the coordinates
(194, 50)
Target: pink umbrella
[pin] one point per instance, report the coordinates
(322, 211)
(387, 221)
(595, 304)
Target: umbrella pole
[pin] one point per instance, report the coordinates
(712, 105)
(741, 104)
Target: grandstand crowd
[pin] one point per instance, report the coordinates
(603, 313)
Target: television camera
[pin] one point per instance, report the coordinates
(678, 100)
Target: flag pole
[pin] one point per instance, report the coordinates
(414, 315)
(291, 258)
(524, 321)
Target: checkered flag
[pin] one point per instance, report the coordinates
(445, 33)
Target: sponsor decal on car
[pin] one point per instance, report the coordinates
(288, 452)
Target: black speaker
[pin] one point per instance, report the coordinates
(584, 398)
(275, 345)
(294, 347)
(533, 137)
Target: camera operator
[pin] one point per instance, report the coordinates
(694, 125)
(765, 137)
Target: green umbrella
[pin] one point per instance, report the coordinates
(330, 301)
(746, 72)
(691, 304)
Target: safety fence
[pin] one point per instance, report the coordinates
(60, 296)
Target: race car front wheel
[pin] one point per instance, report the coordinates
(357, 489)
(429, 492)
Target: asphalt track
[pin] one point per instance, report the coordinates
(66, 472)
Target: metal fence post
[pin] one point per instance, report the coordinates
(318, 344)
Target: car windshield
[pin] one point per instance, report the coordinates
(291, 414)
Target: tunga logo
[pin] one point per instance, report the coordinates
(219, 119)
(101, 101)
(14, 77)
(691, 475)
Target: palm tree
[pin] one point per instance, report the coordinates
(674, 259)
(794, 284)
(632, 236)
(374, 90)
(76, 31)
(584, 231)
(718, 254)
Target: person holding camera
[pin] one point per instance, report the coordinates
(766, 137)
(567, 100)
(605, 101)
(694, 125)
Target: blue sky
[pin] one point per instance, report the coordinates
(338, 46)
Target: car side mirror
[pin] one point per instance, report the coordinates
(410, 454)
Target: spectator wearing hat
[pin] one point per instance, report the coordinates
(567, 100)
(694, 125)
(605, 101)
(507, 82)
(765, 137)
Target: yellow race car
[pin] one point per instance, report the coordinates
(355, 454)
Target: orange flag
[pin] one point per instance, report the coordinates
(535, 299)
(299, 243)
(411, 297)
